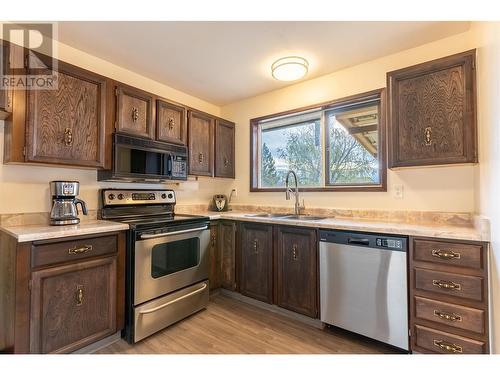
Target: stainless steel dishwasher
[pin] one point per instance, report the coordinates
(363, 284)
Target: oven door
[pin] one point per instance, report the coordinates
(166, 262)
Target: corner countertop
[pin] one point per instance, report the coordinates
(27, 233)
(467, 233)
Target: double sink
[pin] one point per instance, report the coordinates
(287, 216)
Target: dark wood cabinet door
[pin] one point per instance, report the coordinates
(201, 143)
(297, 281)
(214, 255)
(171, 123)
(72, 305)
(256, 272)
(227, 250)
(5, 95)
(224, 149)
(134, 112)
(432, 117)
(67, 125)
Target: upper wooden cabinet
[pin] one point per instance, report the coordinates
(171, 123)
(201, 143)
(65, 125)
(134, 112)
(432, 117)
(5, 95)
(224, 149)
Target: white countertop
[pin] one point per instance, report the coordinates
(364, 225)
(27, 233)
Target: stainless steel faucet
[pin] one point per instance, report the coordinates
(289, 190)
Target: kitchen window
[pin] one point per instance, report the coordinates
(335, 146)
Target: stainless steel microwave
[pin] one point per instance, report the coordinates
(143, 160)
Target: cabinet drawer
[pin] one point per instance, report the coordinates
(66, 251)
(451, 315)
(442, 342)
(453, 254)
(451, 284)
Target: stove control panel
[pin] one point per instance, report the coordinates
(116, 197)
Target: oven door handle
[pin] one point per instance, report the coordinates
(157, 235)
(149, 311)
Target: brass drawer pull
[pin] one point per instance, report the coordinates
(80, 250)
(79, 295)
(171, 123)
(443, 254)
(135, 114)
(294, 252)
(68, 137)
(255, 246)
(201, 157)
(446, 284)
(428, 136)
(226, 162)
(452, 317)
(447, 346)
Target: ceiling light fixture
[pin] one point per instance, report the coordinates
(290, 68)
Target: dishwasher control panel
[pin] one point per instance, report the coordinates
(390, 243)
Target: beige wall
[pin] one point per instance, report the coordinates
(440, 188)
(487, 36)
(25, 188)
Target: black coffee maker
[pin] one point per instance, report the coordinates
(64, 202)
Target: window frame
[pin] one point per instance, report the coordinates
(378, 94)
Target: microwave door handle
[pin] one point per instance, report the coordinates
(157, 235)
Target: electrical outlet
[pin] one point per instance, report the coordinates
(398, 191)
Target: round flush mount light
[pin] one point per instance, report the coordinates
(290, 68)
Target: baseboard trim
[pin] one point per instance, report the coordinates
(316, 323)
(98, 345)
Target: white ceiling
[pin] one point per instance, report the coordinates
(222, 62)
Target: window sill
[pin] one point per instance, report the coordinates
(350, 188)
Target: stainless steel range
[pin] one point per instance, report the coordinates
(167, 259)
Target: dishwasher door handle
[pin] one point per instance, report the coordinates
(358, 241)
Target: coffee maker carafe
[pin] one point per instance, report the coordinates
(64, 202)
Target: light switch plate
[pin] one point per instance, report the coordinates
(398, 191)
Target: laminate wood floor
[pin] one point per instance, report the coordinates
(229, 326)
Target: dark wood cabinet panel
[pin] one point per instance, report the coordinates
(296, 266)
(201, 143)
(134, 112)
(432, 117)
(224, 149)
(171, 123)
(73, 305)
(227, 249)
(214, 255)
(67, 125)
(256, 268)
(5, 95)
(435, 341)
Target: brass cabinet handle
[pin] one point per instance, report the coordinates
(135, 114)
(446, 284)
(447, 346)
(80, 250)
(213, 240)
(452, 317)
(428, 136)
(294, 252)
(79, 295)
(444, 254)
(68, 137)
(255, 246)
(171, 123)
(226, 161)
(201, 157)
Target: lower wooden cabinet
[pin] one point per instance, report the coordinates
(63, 300)
(296, 266)
(448, 296)
(256, 273)
(72, 305)
(227, 251)
(214, 255)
